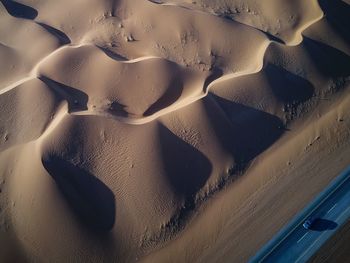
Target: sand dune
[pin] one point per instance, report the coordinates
(282, 21)
(166, 131)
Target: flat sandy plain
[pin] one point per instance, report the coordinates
(166, 131)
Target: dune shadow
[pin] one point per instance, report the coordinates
(288, 87)
(323, 225)
(186, 168)
(63, 38)
(216, 73)
(272, 37)
(251, 131)
(77, 100)
(329, 60)
(171, 95)
(112, 55)
(19, 10)
(118, 109)
(337, 14)
(90, 199)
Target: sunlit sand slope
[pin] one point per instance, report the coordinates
(166, 131)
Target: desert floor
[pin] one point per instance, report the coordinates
(166, 131)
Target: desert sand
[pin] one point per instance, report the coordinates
(166, 131)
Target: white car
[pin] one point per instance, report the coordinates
(308, 223)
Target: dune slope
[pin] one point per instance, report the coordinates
(166, 131)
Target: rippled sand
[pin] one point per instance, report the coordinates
(166, 131)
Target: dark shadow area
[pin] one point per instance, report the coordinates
(157, 1)
(272, 37)
(77, 100)
(118, 109)
(249, 132)
(90, 199)
(19, 10)
(187, 169)
(171, 95)
(63, 38)
(288, 87)
(112, 55)
(337, 14)
(216, 73)
(114, 7)
(323, 224)
(329, 61)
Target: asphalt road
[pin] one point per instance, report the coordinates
(294, 243)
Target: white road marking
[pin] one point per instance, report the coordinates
(302, 237)
(331, 208)
(345, 211)
(309, 248)
(313, 243)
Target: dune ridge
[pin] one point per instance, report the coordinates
(144, 119)
(124, 121)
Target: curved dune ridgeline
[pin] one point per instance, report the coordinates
(155, 131)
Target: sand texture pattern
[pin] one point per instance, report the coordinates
(166, 131)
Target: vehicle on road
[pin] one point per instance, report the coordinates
(308, 223)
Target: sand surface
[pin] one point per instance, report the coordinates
(166, 131)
